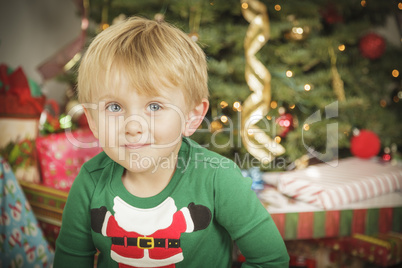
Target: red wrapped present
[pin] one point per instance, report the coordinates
(312, 253)
(383, 250)
(62, 155)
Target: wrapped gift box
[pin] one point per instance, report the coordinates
(62, 155)
(299, 220)
(47, 204)
(17, 145)
(383, 250)
(351, 180)
(21, 104)
(21, 240)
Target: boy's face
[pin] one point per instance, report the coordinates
(139, 132)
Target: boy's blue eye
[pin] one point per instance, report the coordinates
(114, 108)
(153, 107)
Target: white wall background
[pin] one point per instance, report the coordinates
(33, 30)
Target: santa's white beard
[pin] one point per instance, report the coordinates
(144, 221)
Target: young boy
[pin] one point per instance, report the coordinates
(155, 198)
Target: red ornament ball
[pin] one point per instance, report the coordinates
(365, 145)
(285, 123)
(331, 15)
(386, 157)
(372, 46)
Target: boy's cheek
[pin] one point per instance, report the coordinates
(92, 119)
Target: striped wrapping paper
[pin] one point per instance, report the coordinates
(338, 223)
(351, 180)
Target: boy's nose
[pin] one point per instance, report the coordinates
(135, 125)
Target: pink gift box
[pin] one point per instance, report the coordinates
(62, 155)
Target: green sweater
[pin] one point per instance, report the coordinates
(191, 223)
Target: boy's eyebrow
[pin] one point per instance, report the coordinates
(107, 96)
(160, 95)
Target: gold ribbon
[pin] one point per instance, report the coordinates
(258, 78)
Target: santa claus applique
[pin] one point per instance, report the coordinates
(148, 237)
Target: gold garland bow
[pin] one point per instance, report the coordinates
(258, 78)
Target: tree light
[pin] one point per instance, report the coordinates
(104, 26)
(297, 30)
(307, 87)
(289, 73)
(277, 7)
(224, 104)
(237, 106)
(224, 119)
(65, 122)
(395, 73)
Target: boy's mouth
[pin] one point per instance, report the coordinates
(136, 145)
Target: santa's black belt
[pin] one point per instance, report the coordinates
(146, 242)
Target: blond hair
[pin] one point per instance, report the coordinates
(150, 55)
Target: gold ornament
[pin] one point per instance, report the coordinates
(258, 78)
(337, 82)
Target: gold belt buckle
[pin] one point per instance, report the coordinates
(149, 242)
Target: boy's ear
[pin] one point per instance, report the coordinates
(92, 124)
(195, 117)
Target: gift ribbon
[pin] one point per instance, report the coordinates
(397, 219)
(345, 228)
(358, 221)
(319, 224)
(332, 223)
(305, 221)
(372, 221)
(16, 84)
(256, 176)
(280, 220)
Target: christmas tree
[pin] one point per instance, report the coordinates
(330, 72)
